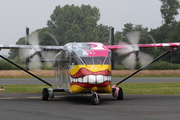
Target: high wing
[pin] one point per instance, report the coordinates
(37, 48)
(32, 47)
(135, 48)
(132, 52)
(158, 45)
(35, 53)
(111, 47)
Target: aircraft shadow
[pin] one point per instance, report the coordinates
(82, 99)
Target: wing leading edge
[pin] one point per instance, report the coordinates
(31, 47)
(158, 45)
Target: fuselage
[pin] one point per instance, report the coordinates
(92, 71)
(89, 68)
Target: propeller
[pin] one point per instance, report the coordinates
(132, 51)
(36, 54)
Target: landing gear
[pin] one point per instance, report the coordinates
(118, 93)
(45, 94)
(95, 99)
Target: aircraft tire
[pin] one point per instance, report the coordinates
(120, 94)
(94, 100)
(45, 94)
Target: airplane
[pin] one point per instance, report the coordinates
(85, 67)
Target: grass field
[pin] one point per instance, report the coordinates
(147, 73)
(22, 74)
(115, 73)
(128, 88)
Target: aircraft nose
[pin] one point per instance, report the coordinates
(92, 79)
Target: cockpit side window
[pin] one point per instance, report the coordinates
(107, 62)
(108, 59)
(75, 59)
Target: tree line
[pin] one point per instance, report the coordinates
(72, 23)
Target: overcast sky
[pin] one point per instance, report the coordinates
(17, 14)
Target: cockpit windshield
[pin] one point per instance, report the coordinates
(87, 60)
(99, 60)
(88, 53)
(93, 60)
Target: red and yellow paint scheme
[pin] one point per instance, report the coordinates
(93, 71)
(90, 78)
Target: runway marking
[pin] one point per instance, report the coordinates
(41, 97)
(6, 98)
(32, 97)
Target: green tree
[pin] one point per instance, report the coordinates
(14, 52)
(118, 36)
(169, 9)
(173, 36)
(103, 33)
(46, 37)
(91, 35)
(64, 18)
(74, 35)
(129, 27)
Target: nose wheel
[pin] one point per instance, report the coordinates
(95, 99)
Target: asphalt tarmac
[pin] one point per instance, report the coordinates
(78, 107)
(15, 106)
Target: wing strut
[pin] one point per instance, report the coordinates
(27, 72)
(174, 48)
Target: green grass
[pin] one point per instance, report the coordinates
(24, 77)
(128, 88)
(138, 76)
(27, 88)
(151, 88)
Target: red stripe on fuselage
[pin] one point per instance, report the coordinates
(84, 72)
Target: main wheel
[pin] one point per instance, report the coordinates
(120, 94)
(45, 94)
(94, 100)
